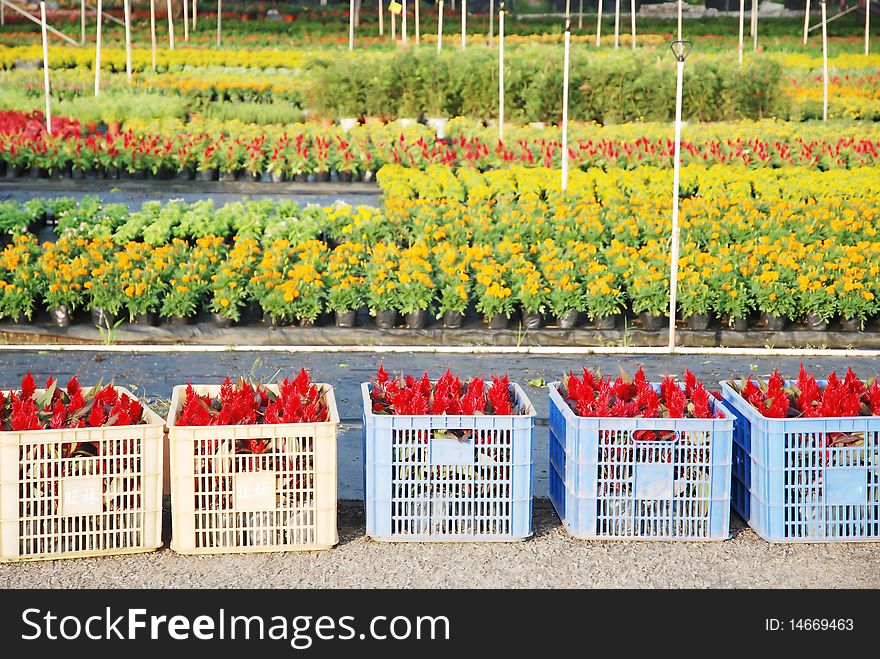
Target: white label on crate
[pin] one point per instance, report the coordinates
(255, 491)
(654, 481)
(80, 495)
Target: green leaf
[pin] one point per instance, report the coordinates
(46, 397)
(538, 382)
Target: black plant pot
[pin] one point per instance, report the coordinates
(568, 320)
(737, 324)
(367, 175)
(148, 319)
(851, 324)
(111, 172)
(606, 322)
(653, 321)
(303, 322)
(269, 321)
(774, 323)
(59, 316)
(206, 175)
(180, 320)
(254, 177)
(346, 318)
(498, 321)
(138, 175)
(698, 321)
(452, 319)
(532, 319)
(344, 177)
(77, 173)
(322, 177)
(816, 323)
(163, 173)
(417, 319)
(276, 177)
(386, 319)
(13, 171)
(227, 177)
(220, 321)
(103, 318)
(301, 177)
(186, 174)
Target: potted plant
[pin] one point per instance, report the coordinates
(415, 285)
(229, 285)
(346, 282)
(381, 287)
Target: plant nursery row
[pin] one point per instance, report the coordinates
(231, 151)
(789, 244)
(607, 86)
(253, 465)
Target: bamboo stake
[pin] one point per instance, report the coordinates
(47, 91)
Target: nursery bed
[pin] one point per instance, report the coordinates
(473, 334)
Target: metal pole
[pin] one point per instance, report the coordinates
(564, 183)
(403, 21)
(126, 7)
(616, 23)
(440, 27)
(351, 25)
(186, 20)
(47, 91)
(742, 22)
(681, 50)
(806, 21)
(98, 49)
(598, 23)
(170, 25)
(219, 23)
(418, 21)
(463, 24)
(153, 31)
(501, 73)
(82, 21)
(825, 64)
(632, 13)
(381, 19)
(580, 15)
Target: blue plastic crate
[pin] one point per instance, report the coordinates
(604, 483)
(792, 488)
(422, 482)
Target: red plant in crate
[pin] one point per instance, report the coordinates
(591, 395)
(806, 398)
(246, 403)
(447, 396)
(69, 407)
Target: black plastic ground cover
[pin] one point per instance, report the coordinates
(477, 335)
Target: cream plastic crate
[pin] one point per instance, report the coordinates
(55, 507)
(224, 500)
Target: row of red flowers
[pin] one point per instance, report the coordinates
(449, 394)
(308, 149)
(246, 403)
(593, 395)
(807, 398)
(68, 407)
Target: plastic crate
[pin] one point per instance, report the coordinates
(421, 484)
(605, 484)
(790, 487)
(102, 505)
(225, 500)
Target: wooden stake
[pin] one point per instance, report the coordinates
(501, 73)
(98, 49)
(170, 25)
(440, 26)
(742, 21)
(617, 23)
(351, 25)
(806, 21)
(126, 8)
(463, 24)
(825, 63)
(564, 182)
(632, 19)
(47, 91)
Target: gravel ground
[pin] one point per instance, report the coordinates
(549, 560)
